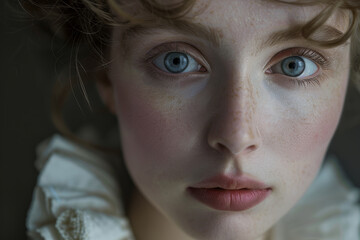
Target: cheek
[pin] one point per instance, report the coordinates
(312, 135)
(320, 131)
(297, 130)
(297, 149)
(305, 135)
(326, 112)
(151, 131)
(305, 124)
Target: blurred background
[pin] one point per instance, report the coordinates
(30, 62)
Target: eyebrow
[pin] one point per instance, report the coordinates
(324, 33)
(184, 27)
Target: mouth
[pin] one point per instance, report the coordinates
(229, 199)
(229, 193)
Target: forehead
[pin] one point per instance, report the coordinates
(238, 23)
(253, 18)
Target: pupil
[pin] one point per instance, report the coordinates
(292, 65)
(176, 61)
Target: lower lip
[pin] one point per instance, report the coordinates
(229, 200)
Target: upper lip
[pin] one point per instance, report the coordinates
(231, 183)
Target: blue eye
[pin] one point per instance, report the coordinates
(293, 66)
(296, 66)
(176, 62)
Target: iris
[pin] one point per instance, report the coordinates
(176, 62)
(293, 66)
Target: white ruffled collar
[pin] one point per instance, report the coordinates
(76, 196)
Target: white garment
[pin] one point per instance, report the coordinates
(77, 197)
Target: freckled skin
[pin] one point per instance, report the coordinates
(235, 120)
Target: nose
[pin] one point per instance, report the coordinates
(233, 127)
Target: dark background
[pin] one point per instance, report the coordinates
(30, 61)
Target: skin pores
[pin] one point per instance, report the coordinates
(235, 118)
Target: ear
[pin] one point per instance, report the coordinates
(106, 90)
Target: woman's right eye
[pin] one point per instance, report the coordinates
(177, 62)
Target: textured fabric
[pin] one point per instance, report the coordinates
(77, 197)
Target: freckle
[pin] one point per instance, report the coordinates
(220, 34)
(251, 134)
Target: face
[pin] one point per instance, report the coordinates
(191, 107)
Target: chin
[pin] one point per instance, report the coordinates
(208, 224)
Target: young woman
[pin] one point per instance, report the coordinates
(225, 112)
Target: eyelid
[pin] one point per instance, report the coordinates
(177, 47)
(318, 58)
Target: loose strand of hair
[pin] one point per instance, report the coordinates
(314, 24)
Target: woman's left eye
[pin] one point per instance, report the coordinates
(176, 62)
(296, 67)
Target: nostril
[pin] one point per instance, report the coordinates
(251, 148)
(222, 148)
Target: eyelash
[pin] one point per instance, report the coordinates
(170, 47)
(320, 61)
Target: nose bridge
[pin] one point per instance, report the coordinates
(234, 127)
(240, 107)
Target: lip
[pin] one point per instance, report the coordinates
(230, 193)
